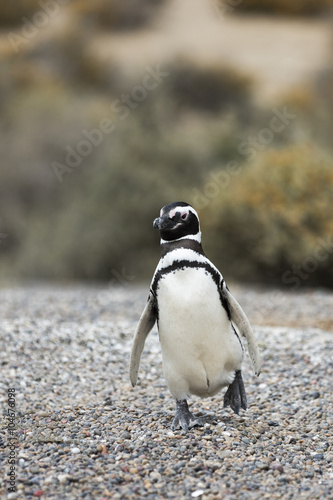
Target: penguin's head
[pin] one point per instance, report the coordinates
(178, 220)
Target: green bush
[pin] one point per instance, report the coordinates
(272, 216)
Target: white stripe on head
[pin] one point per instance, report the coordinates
(183, 210)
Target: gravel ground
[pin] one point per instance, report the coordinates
(83, 432)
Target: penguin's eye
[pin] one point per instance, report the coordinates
(184, 216)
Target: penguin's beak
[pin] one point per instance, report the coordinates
(156, 223)
(162, 222)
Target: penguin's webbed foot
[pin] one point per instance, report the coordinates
(184, 418)
(235, 396)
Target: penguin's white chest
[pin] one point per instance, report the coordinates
(200, 349)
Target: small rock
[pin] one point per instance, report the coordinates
(197, 493)
(262, 466)
(62, 478)
(38, 493)
(126, 435)
(12, 496)
(147, 484)
(277, 466)
(225, 453)
(155, 475)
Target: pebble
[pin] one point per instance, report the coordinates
(62, 478)
(71, 353)
(38, 493)
(197, 493)
(277, 466)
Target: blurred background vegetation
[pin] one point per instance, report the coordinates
(285, 7)
(203, 134)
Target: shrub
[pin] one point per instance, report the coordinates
(69, 59)
(313, 105)
(11, 13)
(99, 218)
(209, 88)
(105, 14)
(285, 7)
(116, 14)
(272, 216)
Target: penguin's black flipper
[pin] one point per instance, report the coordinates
(239, 319)
(235, 397)
(184, 418)
(145, 325)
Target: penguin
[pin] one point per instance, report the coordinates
(200, 324)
